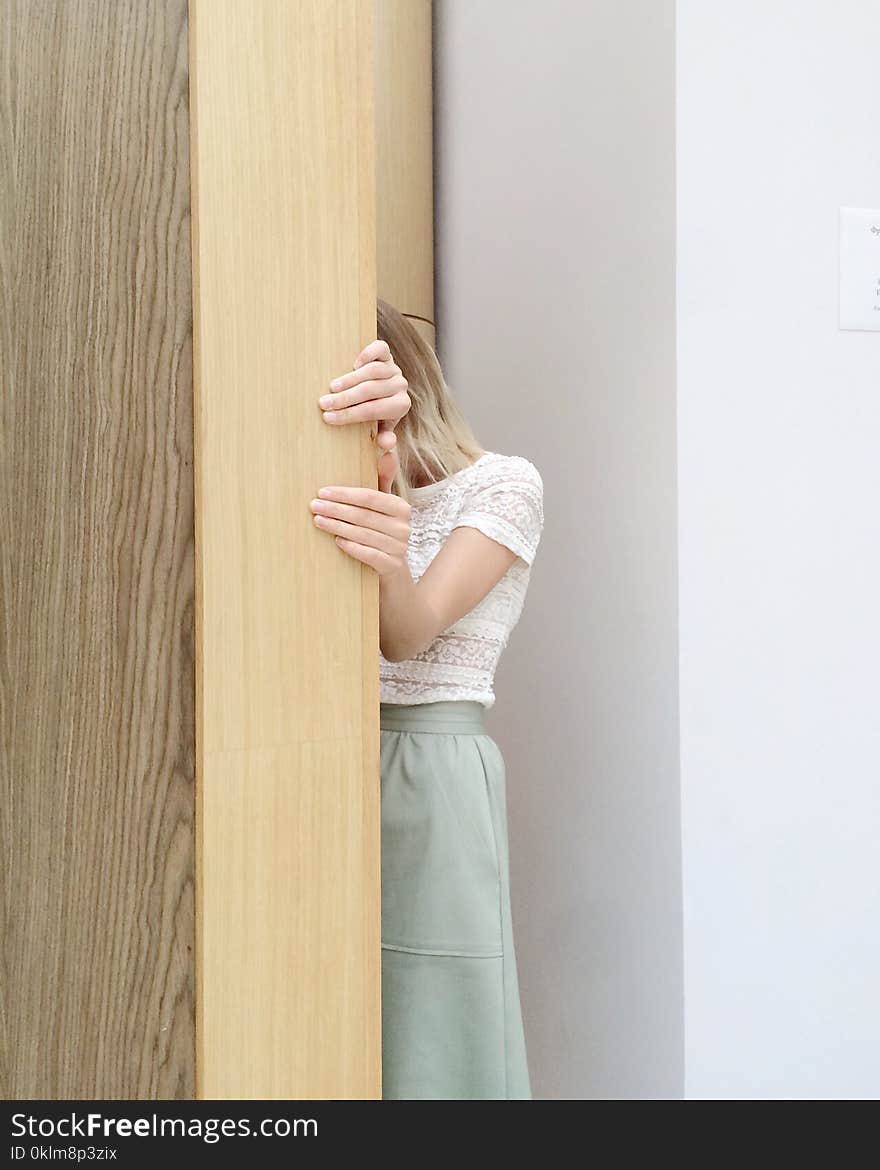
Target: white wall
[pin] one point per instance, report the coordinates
(779, 516)
(556, 327)
(559, 183)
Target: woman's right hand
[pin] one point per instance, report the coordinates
(388, 463)
(375, 390)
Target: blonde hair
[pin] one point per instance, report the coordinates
(434, 439)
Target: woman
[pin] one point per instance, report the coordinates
(451, 532)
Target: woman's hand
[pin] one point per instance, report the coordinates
(371, 526)
(374, 389)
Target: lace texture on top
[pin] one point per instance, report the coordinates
(503, 497)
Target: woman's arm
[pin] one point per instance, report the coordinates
(412, 615)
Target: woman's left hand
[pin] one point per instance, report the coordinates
(374, 390)
(371, 526)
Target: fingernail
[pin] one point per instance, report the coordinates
(325, 400)
(329, 415)
(336, 383)
(325, 492)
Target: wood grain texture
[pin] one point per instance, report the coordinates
(404, 158)
(288, 865)
(96, 552)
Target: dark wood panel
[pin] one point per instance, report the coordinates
(97, 559)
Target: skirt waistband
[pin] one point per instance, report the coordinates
(458, 716)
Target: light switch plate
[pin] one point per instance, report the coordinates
(859, 268)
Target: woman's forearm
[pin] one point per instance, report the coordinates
(407, 623)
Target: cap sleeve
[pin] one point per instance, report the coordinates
(506, 503)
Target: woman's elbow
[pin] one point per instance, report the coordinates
(397, 652)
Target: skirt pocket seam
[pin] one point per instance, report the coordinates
(454, 953)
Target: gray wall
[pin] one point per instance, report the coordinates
(555, 208)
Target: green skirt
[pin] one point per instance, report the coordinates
(451, 1021)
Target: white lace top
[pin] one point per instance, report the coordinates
(502, 496)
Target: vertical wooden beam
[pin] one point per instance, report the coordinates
(404, 152)
(96, 553)
(288, 862)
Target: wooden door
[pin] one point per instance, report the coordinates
(189, 815)
(288, 881)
